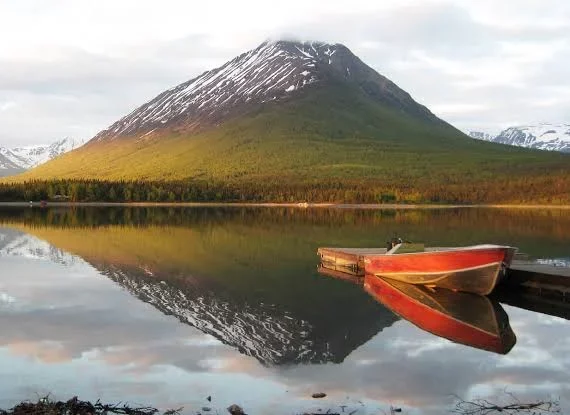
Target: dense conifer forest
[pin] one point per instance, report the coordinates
(549, 189)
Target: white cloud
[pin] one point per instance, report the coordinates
(71, 67)
(458, 108)
(5, 106)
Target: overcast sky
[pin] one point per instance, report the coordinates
(72, 67)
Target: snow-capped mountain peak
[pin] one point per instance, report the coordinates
(481, 135)
(268, 72)
(274, 71)
(543, 136)
(16, 159)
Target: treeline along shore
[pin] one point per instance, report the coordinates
(545, 189)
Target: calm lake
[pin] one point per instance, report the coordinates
(167, 306)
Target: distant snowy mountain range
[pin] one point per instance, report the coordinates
(18, 159)
(544, 136)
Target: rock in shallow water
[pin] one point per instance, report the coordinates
(235, 410)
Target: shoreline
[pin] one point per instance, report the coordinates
(300, 205)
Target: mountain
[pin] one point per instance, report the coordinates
(265, 111)
(273, 71)
(7, 164)
(305, 115)
(18, 159)
(544, 136)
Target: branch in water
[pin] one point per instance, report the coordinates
(485, 407)
(78, 407)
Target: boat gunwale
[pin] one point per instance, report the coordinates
(488, 264)
(370, 257)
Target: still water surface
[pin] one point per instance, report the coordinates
(166, 306)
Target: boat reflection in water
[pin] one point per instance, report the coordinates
(465, 318)
(339, 275)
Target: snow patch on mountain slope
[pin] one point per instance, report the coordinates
(271, 71)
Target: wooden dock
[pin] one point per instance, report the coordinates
(347, 260)
(539, 279)
(524, 276)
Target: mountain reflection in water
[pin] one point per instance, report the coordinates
(233, 273)
(232, 292)
(119, 289)
(278, 333)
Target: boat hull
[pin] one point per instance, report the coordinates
(475, 270)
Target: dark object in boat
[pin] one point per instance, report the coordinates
(393, 242)
(465, 318)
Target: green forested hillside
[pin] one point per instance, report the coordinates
(332, 134)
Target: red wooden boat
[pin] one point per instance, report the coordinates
(475, 269)
(465, 318)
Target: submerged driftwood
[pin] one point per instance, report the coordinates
(74, 406)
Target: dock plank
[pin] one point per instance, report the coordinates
(540, 268)
(539, 280)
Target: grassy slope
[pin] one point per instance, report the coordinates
(330, 133)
